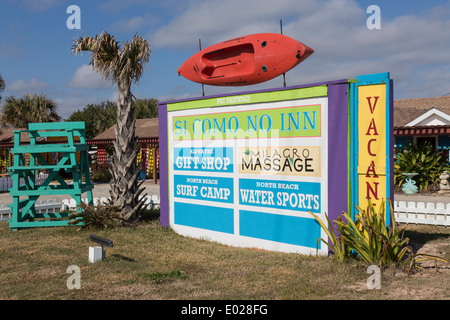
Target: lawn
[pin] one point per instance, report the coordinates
(152, 262)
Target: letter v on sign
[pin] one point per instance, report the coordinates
(369, 100)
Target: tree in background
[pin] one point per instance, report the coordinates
(2, 86)
(19, 112)
(98, 117)
(123, 64)
(102, 116)
(146, 108)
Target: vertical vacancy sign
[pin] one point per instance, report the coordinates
(374, 140)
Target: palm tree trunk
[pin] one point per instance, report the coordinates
(125, 188)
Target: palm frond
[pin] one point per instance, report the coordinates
(18, 112)
(121, 64)
(132, 58)
(104, 53)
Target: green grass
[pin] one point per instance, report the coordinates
(152, 262)
(164, 277)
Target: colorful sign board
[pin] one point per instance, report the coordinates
(245, 169)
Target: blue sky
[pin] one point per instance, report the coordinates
(413, 44)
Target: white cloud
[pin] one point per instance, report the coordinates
(218, 20)
(135, 24)
(68, 105)
(411, 47)
(114, 96)
(131, 24)
(85, 77)
(115, 6)
(27, 86)
(37, 5)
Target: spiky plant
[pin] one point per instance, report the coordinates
(123, 64)
(97, 217)
(425, 160)
(368, 237)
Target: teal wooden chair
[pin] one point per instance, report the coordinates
(24, 213)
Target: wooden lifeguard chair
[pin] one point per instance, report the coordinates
(71, 143)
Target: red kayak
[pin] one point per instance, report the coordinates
(245, 60)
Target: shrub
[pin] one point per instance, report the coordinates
(100, 173)
(97, 217)
(149, 214)
(370, 239)
(424, 159)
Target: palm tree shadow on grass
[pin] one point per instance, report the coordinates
(121, 257)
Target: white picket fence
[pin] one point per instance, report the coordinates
(6, 182)
(422, 213)
(50, 206)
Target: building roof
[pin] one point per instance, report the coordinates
(407, 110)
(145, 128)
(7, 136)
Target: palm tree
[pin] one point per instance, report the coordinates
(19, 112)
(122, 64)
(2, 86)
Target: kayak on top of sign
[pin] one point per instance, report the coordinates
(245, 60)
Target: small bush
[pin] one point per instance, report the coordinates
(96, 217)
(149, 214)
(100, 173)
(369, 238)
(424, 159)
